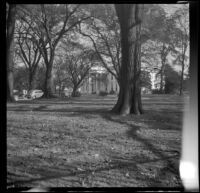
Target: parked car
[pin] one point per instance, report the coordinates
(18, 95)
(35, 94)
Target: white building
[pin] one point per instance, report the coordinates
(99, 80)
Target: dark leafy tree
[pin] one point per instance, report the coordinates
(171, 80)
(160, 30)
(145, 79)
(181, 39)
(40, 77)
(21, 79)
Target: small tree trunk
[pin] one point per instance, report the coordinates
(74, 91)
(161, 80)
(181, 79)
(30, 81)
(129, 101)
(10, 80)
(164, 53)
(10, 50)
(60, 89)
(183, 68)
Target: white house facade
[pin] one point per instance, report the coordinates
(99, 80)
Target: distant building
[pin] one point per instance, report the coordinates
(155, 79)
(99, 80)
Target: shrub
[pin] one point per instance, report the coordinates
(76, 94)
(103, 93)
(157, 91)
(112, 92)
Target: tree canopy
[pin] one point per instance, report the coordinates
(69, 39)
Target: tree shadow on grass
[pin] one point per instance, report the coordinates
(26, 108)
(78, 110)
(70, 170)
(132, 132)
(81, 103)
(117, 161)
(165, 120)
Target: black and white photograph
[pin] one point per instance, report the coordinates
(99, 96)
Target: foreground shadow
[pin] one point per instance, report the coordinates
(70, 170)
(117, 161)
(172, 166)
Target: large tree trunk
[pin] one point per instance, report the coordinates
(31, 81)
(129, 100)
(48, 90)
(48, 87)
(75, 88)
(10, 50)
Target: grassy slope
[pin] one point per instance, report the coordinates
(77, 142)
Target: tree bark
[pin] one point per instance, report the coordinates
(181, 79)
(31, 80)
(129, 100)
(75, 88)
(182, 70)
(10, 50)
(48, 88)
(161, 77)
(60, 89)
(164, 53)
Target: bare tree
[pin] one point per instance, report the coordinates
(105, 37)
(77, 64)
(50, 24)
(28, 51)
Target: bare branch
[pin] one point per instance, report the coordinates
(98, 53)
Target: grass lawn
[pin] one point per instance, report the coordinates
(78, 143)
